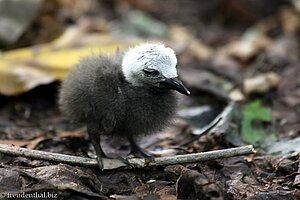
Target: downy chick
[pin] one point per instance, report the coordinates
(125, 95)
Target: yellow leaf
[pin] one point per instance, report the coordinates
(26, 68)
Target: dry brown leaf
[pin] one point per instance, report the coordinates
(290, 20)
(168, 197)
(183, 39)
(31, 144)
(261, 83)
(18, 143)
(250, 43)
(249, 157)
(70, 134)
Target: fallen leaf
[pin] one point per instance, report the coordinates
(183, 39)
(250, 43)
(31, 144)
(26, 68)
(254, 110)
(168, 197)
(261, 83)
(18, 143)
(286, 148)
(289, 19)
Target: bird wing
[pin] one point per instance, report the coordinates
(110, 106)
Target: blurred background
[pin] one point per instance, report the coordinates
(242, 55)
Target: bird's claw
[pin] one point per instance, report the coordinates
(141, 153)
(101, 165)
(137, 151)
(125, 160)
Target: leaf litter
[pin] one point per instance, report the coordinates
(216, 59)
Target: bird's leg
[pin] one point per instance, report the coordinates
(94, 134)
(137, 150)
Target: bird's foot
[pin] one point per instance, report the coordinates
(139, 152)
(101, 165)
(100, 155)
(100, 162)
(125, 160)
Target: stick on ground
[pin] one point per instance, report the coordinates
(136, 162)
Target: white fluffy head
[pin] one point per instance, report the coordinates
(153, 56)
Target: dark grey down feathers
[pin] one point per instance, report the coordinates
(96, 92)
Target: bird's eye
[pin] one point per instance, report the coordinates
(151, 72)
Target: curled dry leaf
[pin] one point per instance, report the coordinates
(261, 83)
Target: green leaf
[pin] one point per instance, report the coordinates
(255, 111)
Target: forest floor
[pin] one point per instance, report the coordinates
(247, 52)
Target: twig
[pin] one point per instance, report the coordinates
(136, 162)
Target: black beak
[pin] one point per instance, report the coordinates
(176, 84)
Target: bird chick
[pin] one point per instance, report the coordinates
(124, 95)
